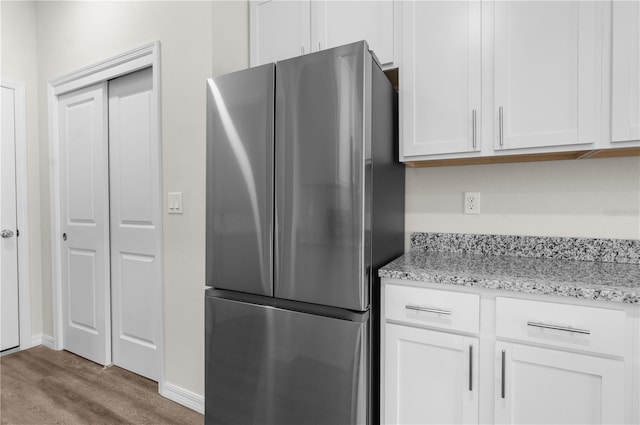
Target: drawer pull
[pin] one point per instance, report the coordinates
(559, 328)
(501, 124)
(427, 309)
(473, 123)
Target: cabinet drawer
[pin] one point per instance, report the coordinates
(430, 307)
(596, 330)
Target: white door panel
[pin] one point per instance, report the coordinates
(82, 289)
(9, 332)
(547, 90)
(135, 229)
(440, 83)
(343, 22)
(280, 29)
(84, 189)
(573, 388)
(430, 377)
(625, 81)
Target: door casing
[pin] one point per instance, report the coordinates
(134, 60)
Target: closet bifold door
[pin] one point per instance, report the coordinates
(84, 222)
(135, 216)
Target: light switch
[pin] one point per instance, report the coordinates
(175, 202)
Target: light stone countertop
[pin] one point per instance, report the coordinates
(593, 280)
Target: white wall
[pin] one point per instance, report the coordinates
(230, 36)
(596, 198)
(72, 35)
(19, 64)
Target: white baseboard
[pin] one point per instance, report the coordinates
(35, 340)
(41, 339)
(47, 341)
(181, 396)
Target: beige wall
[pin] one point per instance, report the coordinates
(18, 63)
(230, 36)
(596, 198)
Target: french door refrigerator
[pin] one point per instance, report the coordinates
(305, 201)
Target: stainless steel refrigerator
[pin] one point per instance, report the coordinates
(305, 201)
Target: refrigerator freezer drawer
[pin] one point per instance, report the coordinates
(267, 365)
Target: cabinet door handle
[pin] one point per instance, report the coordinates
(559, 328)
(473, 124)
(501, 125)
(502, 386)
(470, 367)
(319, 48)
(427, 309)
(302, 50)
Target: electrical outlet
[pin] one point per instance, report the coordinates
(472, 202)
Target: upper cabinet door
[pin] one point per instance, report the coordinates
(341, 22)
(440, 77)
(547, 73)
(625, 73)
(279, 29)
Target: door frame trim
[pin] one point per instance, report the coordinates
(126, 63)
(22, 212)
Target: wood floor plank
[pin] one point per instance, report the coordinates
(43, 386)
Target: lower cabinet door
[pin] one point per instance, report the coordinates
(546, 386)
(430, 377)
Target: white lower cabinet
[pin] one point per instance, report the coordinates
(548, 386)
(485, 356)
(431, 377)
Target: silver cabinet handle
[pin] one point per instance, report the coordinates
(471, 368)
(302, 50)
(473, 123)
(427, 309)
(501, 125)
(319, 48)
(559, 328)
(503, 378)
(6, 233)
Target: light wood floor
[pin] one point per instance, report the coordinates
(42, 386)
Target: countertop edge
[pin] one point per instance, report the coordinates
(398, 269)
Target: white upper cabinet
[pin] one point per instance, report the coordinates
(625, 72)
(440, 82)
(342, 22)
(484, 78)
(547, 73)
(280, 29)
